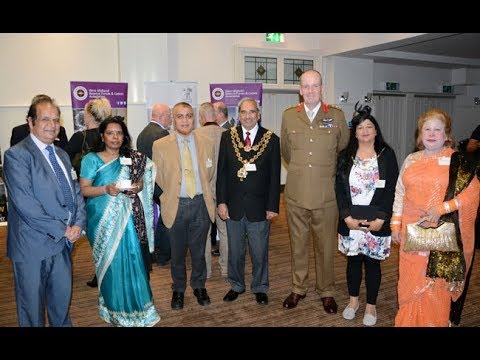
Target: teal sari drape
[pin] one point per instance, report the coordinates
(125, 296)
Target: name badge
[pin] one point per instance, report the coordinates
(380, 184)
(444, 160)
(209, 163)
(125, 161)
(73, 173)
(250, 167)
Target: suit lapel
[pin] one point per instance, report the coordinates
(174, 150)
(201, 157)
(40, 159)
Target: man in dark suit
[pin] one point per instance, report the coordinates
(248, 197)
(46, 216)
(156, 129)
(221, 115)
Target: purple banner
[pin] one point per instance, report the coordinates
(83, 91)
(232, 93)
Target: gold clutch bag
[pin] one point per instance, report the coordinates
(425, 238)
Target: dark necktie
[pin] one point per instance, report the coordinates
(62, 180)
(248, 142)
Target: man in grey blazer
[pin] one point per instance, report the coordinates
(44, 219)
(157, 128)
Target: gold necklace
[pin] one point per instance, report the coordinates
(237, 145)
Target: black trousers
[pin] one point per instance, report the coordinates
(456, 307)
(373, 276)
(189, 232)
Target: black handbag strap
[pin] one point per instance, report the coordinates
(84, 140)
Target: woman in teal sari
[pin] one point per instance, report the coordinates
(118, 184)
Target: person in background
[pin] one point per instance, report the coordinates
(20, 132)
(118, 184)
(313, 133)
(367, 173)
(473, 144)
(46, 217)
(160, 122)
(248, 196)
(212, 130)
(185, 167)
(96, 110)
(157, 128)
(456, 307)
(221, 115)
(433, 181)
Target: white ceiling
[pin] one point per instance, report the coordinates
(441, 50)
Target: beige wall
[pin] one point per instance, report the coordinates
(46, 63)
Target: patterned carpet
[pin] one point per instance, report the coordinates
(244, 312)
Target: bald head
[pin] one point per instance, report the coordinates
(221, 112)
(161, 114)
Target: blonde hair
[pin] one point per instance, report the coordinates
(444, 118)
(99, 108)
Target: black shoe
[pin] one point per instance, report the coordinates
(216, 252)
(202, 296)
(93, 283)
(177, 300)
(232, 295)
(262, 298)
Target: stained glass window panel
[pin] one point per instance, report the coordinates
(260, 69)
(294, 68)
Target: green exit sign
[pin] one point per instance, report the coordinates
(275, 37)
(392, 86)
(447, 89)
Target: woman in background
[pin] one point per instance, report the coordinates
(433, 181)
(96, 110)
(120, 224)
(367, 172)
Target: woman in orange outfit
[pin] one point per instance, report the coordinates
(432, 182)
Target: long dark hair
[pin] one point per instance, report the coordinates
(361, 114)
(127, 139)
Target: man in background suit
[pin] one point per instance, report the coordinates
(248, 197)
(212, 130)
(185, 168)
(157, 129)
(43, 221)
(20, 132)
(221, 115)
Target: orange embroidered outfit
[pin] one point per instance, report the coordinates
(421, 185)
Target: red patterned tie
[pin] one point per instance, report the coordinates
(247, 139)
